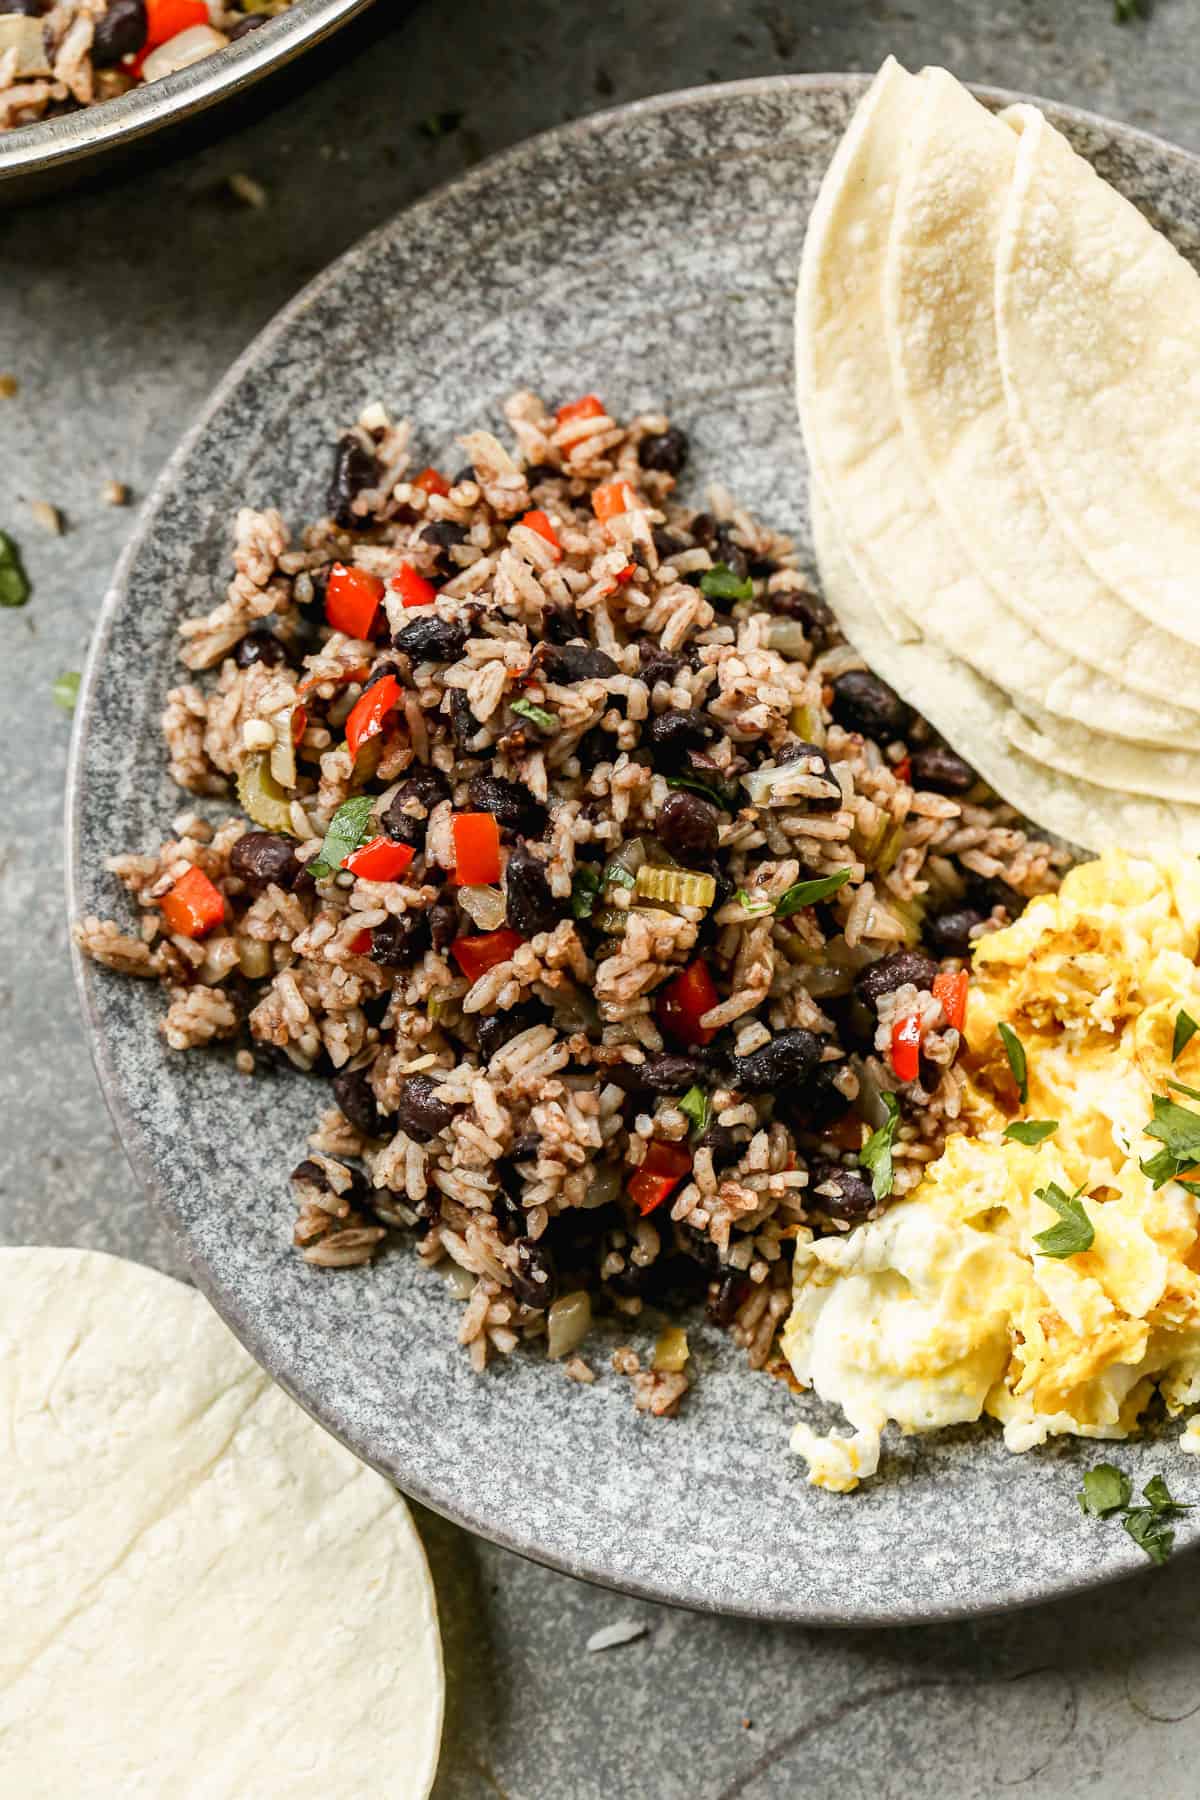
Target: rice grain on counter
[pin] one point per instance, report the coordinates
(580, 851)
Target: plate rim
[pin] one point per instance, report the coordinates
(1121, 1567)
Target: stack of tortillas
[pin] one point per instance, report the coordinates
(998, 365)
(204, 1595)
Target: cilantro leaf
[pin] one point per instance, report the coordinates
(876, 1153)
(348, 829)
(720, 583)
(1105, 1490)
(65, 691)
(14, 583)
(1150, 1532)
(617, 875)
(1178, 1127)
(585, 888)
(695, 1106)
(1159, 1496)
(1031, 1131)
(1182, 1088)
(1014, 1049)
(1161, 1168)
(1074, 1233)
(755, 904)
(1185, 1030)
(807, 893)
(700, 787)
(1124, 11)
(537, 715)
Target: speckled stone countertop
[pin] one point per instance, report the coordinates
(118, 310)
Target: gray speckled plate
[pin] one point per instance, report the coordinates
(649, 253)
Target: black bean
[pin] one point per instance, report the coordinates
(533, 1280)
(688, 825)
(445, 533)
(400, 939)
(431, 640)
(531, 907)
(513, 806)
(464, 474)
(726, 549)
(506, 1202)
(821, 769)
(667, 543)
(670, 735)
(245, 26)
(723, 1143)
(419, 1111)
(669, 1073)
(732, 1289)
(311, 1172)
(356, 1097)
(989, 891)
(443, 925)
(949, 933)
(260, 647)
(704, 529)
(380, 671)
(464, 725)
(658, 665)
(666, 450)
(560, 624)
(861, 702)
(357, 1194)
(424, 787)
(120, 31)
(811, 611)
(539, 472)
(354, 468)
(938, 767)
(262, 857)
(821, 1102)
(893, 972)
(762, 566)
(575, 662)
(854, 1199)
(789, 1058)
(494, 1030)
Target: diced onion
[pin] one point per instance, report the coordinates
(674, 887)
(603, 1188)
(260, 796)
(254, 958)
(567, 1324)
(179, 52)
(459, 1281)
(787, 637)
(486, 905)
(671, 1351)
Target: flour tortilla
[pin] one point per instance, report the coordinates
(939, 308)
(204, 1595)
(901, 551)
(969, 712)
(1099, 323)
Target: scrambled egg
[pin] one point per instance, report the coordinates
(944, 1308)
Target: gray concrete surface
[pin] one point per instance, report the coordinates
(118, 310)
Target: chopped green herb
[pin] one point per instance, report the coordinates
(617, 875)
(348, 829)
(755, 904)
(876, 1153)
(720, 583)
(1031, 1131)
(1126, 10)
(695, 1106)
(65, 691)
(1158, 1494)
(1178, 1127)
(1182, 1088)
(585, 889)
(1105, 1490)
(1074, 1233)
(1150, 1532)
(807, 893)
(1185, 1030)
(537, 715)
(439, 125)
(699, 787)
(1014, 1049)
(14, 583)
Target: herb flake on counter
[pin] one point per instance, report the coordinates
(348, 830)
(14, 583)
(65, 691)
(695, 1106)
(439, 125)
(1074, 1232)
(1031, 1132)
(720, 583)
(1125, 11)
(1105, 1490)
(876, 1153)
(1185, 1030)
(537, 715)
(1014, 1049)
(807, 893)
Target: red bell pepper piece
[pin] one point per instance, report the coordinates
(352, 598)
(903, 769)
(684, 1001)
(951, 990)
(360, 944)
(627, 573)
(662, 1169)
(476, 849)
(299, 723)
(541, 522)
(412, 588)
(609, 499)
(476, 955)
(193, 906)
(366, 716)
(906, 1047)
(589, 407)
(380, 860)
(433, 481)
(165, 19)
